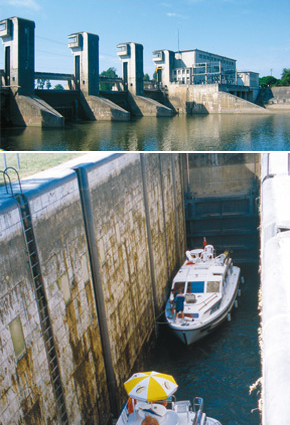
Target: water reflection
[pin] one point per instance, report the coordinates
(180, 133)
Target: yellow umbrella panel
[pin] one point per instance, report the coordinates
(150, 386)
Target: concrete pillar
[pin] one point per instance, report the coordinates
(18, 39)
(131, 55)
(85, 48)
(164, 61)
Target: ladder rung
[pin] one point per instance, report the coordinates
(63, 412)
(55, 369)
(49, 341)
(58, 390)
(48, 329)
(60, 396)
(50, 350)
(35, 277)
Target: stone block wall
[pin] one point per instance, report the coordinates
(61, 241)
(25, 391)
(117, 193)
(117, 188)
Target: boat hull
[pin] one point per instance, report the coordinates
(189, 335)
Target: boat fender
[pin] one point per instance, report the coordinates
(236, 303)
(190, 258)
(130, 405)
(229, 316)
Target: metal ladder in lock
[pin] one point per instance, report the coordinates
(40, 294)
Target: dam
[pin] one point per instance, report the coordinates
(217, 88)
(88, 252)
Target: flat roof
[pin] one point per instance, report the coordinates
(204, 51)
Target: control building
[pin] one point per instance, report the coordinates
(195, 66)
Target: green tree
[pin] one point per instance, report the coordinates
(110, 73)
(47, 84)
(40, 83)
(58, 87)
(285, 77)
(268, 81)
(146, 77)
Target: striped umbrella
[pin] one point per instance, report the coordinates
(150, 386)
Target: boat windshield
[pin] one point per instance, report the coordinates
(179, 286)
(213, 286)
(195, 287)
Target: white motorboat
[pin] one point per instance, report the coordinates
(174, 413)
(151, 402)
(202, 295)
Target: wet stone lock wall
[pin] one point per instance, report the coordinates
(109, 236)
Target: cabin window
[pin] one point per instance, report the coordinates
(195, 287)
(213, 286)
(179, 286)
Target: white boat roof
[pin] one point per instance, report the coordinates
(198, 271)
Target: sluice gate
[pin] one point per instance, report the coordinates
(222, 204)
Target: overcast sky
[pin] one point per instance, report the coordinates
(255, 32)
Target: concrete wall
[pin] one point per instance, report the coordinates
(27, 394)
(208, 99)
(147, 107)
(275, 300)
(138, 224)
(31, 111)
(276, 98)
(221, 203)
(217, 174)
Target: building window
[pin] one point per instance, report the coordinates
(3, 26)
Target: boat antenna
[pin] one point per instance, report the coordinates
(178, 40)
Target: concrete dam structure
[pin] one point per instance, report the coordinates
(88, 251)
(23, 105)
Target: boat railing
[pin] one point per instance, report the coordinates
(183, 406)
(197, 409)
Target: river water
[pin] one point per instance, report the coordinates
(225, 132)
(222, 367)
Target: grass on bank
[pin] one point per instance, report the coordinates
(33, 162)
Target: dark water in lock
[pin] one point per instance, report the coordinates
(230, 132)
(221, 367)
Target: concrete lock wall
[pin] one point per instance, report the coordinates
(22, 380)
(275, 246)
(136, 203)
(276, 98)
(218, 174)
(208, 99)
